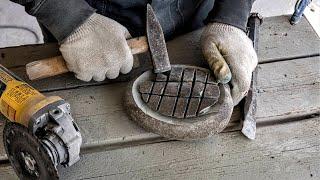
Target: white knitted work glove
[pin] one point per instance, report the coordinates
(226, 48)
(98, 49)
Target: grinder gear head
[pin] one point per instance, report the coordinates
(40, 133)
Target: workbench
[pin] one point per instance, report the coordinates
(287, 144)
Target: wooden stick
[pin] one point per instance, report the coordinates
(56, 65)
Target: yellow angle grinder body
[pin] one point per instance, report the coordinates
(40, 133)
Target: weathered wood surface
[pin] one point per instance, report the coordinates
(2, 151)
(288, 90)
(278, 39)
(68, 81)
(286, 151)
(103, 121)
(21, 55)
(53, 66)
(281, 151)
(7, 173)
(300, 41)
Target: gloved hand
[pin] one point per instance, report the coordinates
(98, 49)
(231, 56)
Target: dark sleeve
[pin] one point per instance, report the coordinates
(60, 17)
(232, 12)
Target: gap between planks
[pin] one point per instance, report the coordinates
(273, 154)
(100, 114)
(192, 41)
(278, 41)
(287, 151)
(68, 82)
(126, 141)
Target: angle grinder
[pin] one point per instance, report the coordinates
(40, 133)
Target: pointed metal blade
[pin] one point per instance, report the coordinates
(157, 44)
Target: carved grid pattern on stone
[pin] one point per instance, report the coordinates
(184, 93)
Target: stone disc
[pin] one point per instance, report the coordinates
(185, 104)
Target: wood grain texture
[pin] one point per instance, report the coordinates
(287, 151)
(21, 55)
(102, 119)
(299, 41)
(138, 45)
(7, 173)
(68, 81)
(53, 66)
(46, 68)
(3, 155)
(287, 89)
(279, 39)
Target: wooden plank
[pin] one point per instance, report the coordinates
(277, 40)
(286, 151)
(21, 55)
(312, 14)
(105, 125)
(7, 173)
(68, 81)
(280, 40)
(102, 118)
(275, 154)
(287, 89)
(3, 155)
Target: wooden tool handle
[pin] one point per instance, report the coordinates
(56, 65)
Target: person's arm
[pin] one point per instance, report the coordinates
(60, 17)
(232, 12)
(93, 46)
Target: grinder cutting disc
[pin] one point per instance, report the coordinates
(186, 103)
(25, 152)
